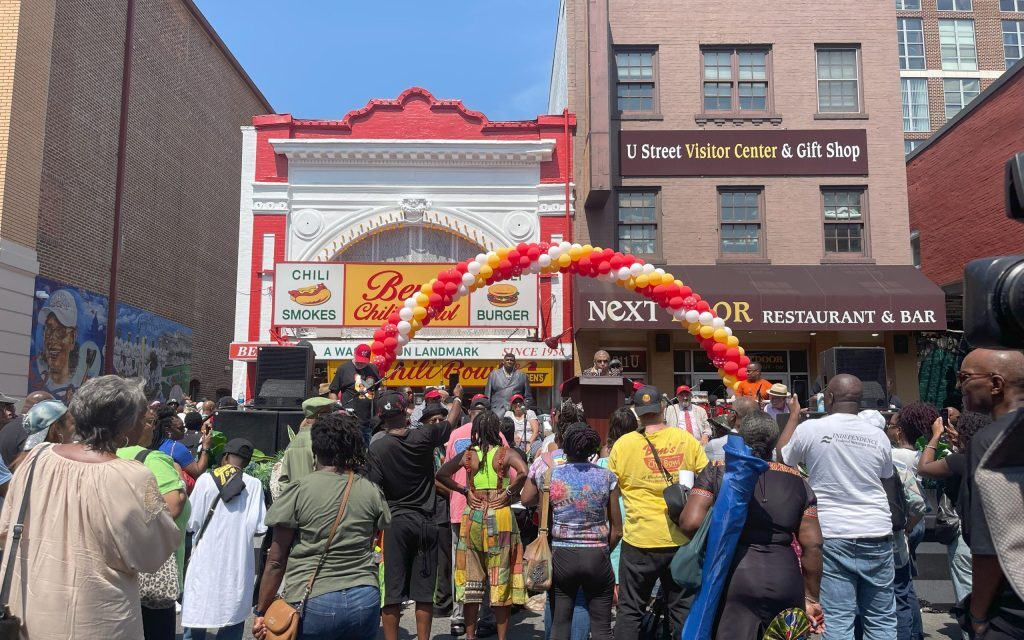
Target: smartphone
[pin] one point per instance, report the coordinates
(453, 381)
(945, 417)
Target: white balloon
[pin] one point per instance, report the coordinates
(565, 245)
(692, 316)
(705, 318)
(544, 260)
(468, 279)
(648, 268)
(534, 267)
(405, 313)
(411, 303)
(635, 269)
(404, 327)
(463, 289)
(402, 340)
(718, 323)
(554, 252)
(678, 314)
(728, 331)
(481, 258)
(623, 273)
(473, 267)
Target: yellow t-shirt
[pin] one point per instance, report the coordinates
(647, 524)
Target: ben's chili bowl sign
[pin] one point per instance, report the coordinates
(472, 373)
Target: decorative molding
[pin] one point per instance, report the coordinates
(413, 209)
(704, 119)
(448, 153)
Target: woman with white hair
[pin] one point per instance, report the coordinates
(92, 522)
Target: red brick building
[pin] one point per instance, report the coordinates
(60, 94)
(955, 183)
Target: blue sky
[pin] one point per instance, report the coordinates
(323, 58)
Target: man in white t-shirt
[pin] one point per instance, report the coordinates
(846, 458)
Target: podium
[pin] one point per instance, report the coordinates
(600, 397)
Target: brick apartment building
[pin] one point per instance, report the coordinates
(61, 67)
(950, 224)
(755, 150)
(949, 52)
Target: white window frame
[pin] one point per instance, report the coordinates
(902, 5)
(960, 44)
(1018, 31)
(1018, 5)
(859, 107)
(902, 35)
(970, 5)
(959, 91)
(908, 106)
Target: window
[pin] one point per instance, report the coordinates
(838, 90)
(1013, 41)
(635, 85)
(915, 104)
(735, 79)
(909, 145)
(1011, 5)
(958, 93)
(915, 247)
(741, 222)
(638, 222)
(953, 5)
(910, 36)
(844, 221)
(908, 5)
(956, 43)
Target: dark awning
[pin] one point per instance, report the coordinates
(781, 298)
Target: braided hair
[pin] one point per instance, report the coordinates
(165, 417)
(337, 441)
(968, 425)
(760, 432)
(580, 441)
(486, 432)
(568, 415)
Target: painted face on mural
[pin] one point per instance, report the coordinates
(58, 342)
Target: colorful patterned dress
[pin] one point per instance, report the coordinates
(489, 549)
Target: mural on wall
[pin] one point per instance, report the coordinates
(70, 333)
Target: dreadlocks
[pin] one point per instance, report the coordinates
(486, 432)
(569, 415)
(580, 442)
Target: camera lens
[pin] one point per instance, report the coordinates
(1008, 302)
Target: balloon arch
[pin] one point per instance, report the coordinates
(627, 271)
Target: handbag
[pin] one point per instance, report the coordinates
(281, 618)
(654, 624)
(537, 556)
(674, 494)
(688, 562)
(159, 589)
(10, 624)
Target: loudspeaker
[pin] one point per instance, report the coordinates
(867, 363)
(258, 427)
(287, 420)
(283, 377)
(662, 342)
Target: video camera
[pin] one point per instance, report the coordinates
(994, 287)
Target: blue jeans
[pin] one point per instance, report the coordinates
(857, 579)
(232, 632)
(353, 614)
(960, 569)
(580, 618)
(908, 609)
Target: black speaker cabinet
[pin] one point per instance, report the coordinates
(283, 376)
(662, 342)
(258, 427)
(287, 420)
(867, 363)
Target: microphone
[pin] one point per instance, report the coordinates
(614, 364)
(399, 365)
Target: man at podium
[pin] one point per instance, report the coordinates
(600, 368)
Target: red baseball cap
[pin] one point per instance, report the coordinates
(361, 354)
(637, 384)
(517, 396)
(433, 394)
(681, 388)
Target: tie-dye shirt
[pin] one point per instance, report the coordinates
(579, 504)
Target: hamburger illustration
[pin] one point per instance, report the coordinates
(311, 296)
(502, 295)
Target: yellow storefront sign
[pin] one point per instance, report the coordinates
(375, 291)
(472, 373)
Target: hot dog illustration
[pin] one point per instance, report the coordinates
(311, 296)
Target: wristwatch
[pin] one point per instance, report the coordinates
(256, 612)
(508, 491)
(463, 490)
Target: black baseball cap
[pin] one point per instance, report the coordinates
(433, 409)
(480, 401)
(391, 404)
(647, 399)
(240, 447)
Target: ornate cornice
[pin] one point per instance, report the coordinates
(342, 152)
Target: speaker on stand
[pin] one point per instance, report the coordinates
(283, 377)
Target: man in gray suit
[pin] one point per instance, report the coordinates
(504, 382)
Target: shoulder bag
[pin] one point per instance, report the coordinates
(688, 561)
(158, 590)
(10, 624)
(281, 618)
(674, 494)
(537, 556)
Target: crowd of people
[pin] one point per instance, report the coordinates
(118, 515)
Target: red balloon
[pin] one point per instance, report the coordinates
(685, 291)
(379, 361)
(513, 255)
(604, 267)
(522, 247)
(462, 267)
(718, 361)
(615, 261)
(744, 361)
(379, 335)
(584, 262)
(376, 347)
(741, 374)
(707, 343)
(544, 246)
(676, 303)
(630, 259)
(435, 300)
(689, 302)
(390, 343)
(730, 367)
(732, 353)
(505, 265)
(533, 253)
(719, 349)
(394, 318)
(524, 261)
(438, 286)
(703, 306)
(517, 271)
(451, 288)
(390, 329)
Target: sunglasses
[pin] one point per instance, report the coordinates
(601, 361)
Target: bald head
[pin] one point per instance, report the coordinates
(992, 381)
(843, 394)
(742, 407)
(34, 397)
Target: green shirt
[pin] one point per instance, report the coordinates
(167, 480)
(310, 506)
(297, 461)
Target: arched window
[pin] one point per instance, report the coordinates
(410, 244)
